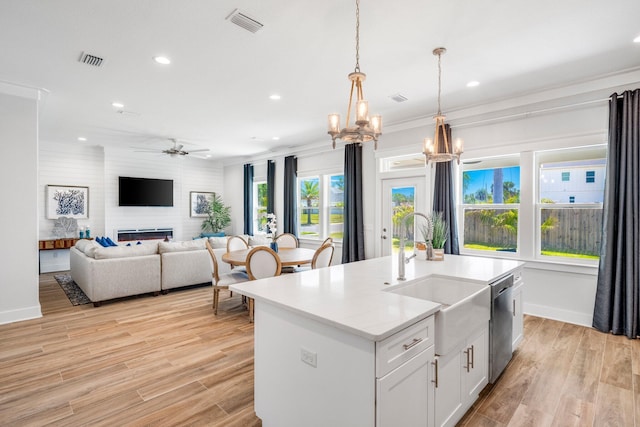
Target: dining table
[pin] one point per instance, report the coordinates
(288, 256)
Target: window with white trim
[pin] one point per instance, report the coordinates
(569, 214)
(321, 206)
(260, 197)
(490, 205)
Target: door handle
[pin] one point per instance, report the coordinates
(383, 236)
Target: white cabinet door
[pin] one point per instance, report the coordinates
(448, 393)
(404, 396)
(518, 320)
(476, 367)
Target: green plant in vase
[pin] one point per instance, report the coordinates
(440, 231)
(218, 216)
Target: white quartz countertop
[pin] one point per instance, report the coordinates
(351, 297)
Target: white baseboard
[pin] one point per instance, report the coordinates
(582, 319)
(26, 313)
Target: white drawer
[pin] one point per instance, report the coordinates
(402, 346)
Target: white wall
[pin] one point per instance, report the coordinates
(20, 205)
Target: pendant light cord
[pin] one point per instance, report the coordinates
(439, 81)
(357, 69)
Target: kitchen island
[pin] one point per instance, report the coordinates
(328, 341)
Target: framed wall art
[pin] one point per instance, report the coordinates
(68, 201)
(199, 203)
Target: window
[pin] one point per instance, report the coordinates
(260, 206)
(569, 215)
(566, 176)
(490, 204)
(321, 206)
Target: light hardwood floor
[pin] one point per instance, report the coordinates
(167, 360)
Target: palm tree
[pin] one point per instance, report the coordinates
(310, 191)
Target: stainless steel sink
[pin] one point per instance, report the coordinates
(465, 305)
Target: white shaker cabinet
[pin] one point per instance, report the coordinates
(518, 319)
(461, 375)
(404, 377)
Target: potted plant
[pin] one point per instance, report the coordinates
(440, 231)
(218, 216)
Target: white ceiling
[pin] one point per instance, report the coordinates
(215, 94)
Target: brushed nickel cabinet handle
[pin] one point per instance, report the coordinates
(415, 342)
(435, 364)
(473, 356)
(467, 351)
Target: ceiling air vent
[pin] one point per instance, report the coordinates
(398, 98)
(89, 59)
(241, 19)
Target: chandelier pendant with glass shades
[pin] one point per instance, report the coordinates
(365, 129)
(439, 149)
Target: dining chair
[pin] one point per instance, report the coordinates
(327, 240)
(287, 240)
(222, 281)
(262, 262)
(323, 256)
(236, 243)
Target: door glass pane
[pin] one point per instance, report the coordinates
(402, 203)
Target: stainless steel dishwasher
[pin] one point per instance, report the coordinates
(500, 327)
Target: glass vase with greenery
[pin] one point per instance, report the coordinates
(218, 216)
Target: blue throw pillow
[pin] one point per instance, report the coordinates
(139, 243)
(102, 242)
(128, 244)
(110, 242)
(220, 234)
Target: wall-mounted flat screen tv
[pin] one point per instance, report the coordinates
(145, 192)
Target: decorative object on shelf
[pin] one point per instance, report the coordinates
(87, 232)
(365, 129)
(439, 149)
(218, 215)
(65, 227)
(272, 229)
(199, 203)
(67, 201)
(81, 232)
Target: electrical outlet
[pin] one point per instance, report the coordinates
(309, 357)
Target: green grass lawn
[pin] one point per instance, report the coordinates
(545, 253)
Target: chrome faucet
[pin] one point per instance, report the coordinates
(402, 259)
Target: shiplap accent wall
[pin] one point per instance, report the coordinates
(99, 169)
(188, 174)
(72, 164)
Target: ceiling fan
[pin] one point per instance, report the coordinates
(176, 150)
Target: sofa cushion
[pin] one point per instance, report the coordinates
(218, 242)
(126, 251)
(259, 240)
(189, 245)
(88, 247)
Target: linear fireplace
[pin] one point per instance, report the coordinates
(145, 234)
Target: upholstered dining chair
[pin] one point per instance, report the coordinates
(262, 262)
(287, 240)
(323, 256)
(222, 281)
(236, 243)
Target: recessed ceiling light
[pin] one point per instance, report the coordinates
(117, 104)
(636, 40)
(162, 60)
(82, 138)
(473, 83)
(275, 97)
(276, 138)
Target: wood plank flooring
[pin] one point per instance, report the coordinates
(167, 360)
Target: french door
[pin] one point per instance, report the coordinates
(400, 196)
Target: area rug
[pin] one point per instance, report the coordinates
(74, 293)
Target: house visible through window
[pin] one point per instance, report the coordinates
(321, 206)
(570, 214)
(566, 176)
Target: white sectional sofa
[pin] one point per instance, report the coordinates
(151, 267)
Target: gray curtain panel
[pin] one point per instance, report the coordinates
(353, 233)
(271, 186)
(443, 200)
(289, 223)
(248, 199)
(618, 292)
